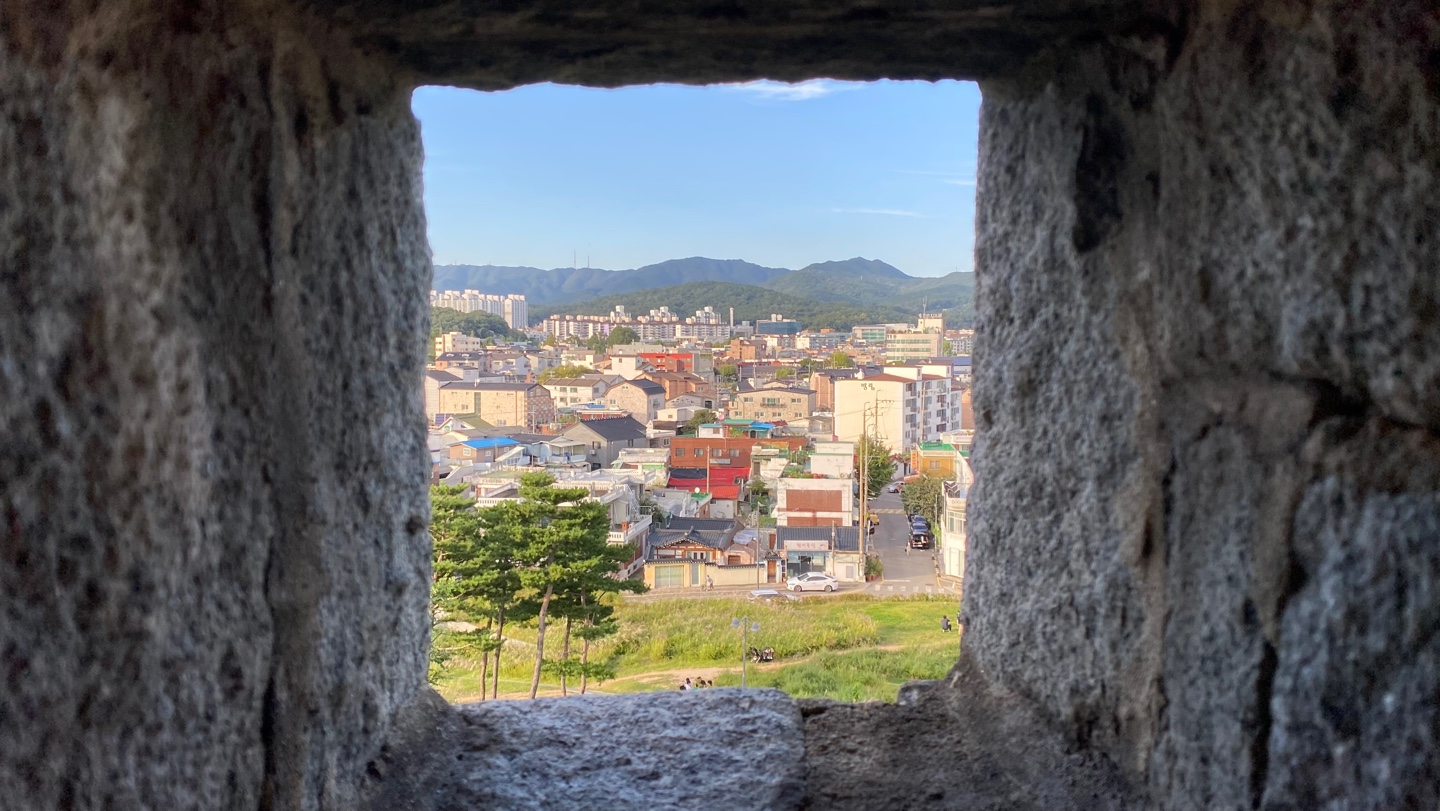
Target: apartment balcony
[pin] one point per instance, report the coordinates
(629, 531)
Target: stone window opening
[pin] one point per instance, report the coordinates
(1208, 367)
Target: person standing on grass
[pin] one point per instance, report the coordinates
(945, 623)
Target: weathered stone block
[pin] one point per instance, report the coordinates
(716, 748)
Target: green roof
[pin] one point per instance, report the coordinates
(937, 446)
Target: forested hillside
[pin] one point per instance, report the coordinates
(750, 302)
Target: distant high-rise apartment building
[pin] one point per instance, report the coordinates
(510, 307)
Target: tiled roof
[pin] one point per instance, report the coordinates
(647, 386)
(713, 532)
(612, 429)
(470, 386)
(847, 539)
(842, 539)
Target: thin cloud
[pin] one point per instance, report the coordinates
(884, 212)
(781, 91)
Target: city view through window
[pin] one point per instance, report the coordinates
(698, 385)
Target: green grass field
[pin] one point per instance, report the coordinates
(851, 648)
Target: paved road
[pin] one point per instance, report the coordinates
(907, 571)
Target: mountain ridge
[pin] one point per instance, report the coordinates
(848, 287)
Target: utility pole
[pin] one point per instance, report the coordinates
(864, 480)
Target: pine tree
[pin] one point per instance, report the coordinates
(476, 577)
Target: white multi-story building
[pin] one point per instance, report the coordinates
(458, 342)
(954, 530)
(510, 307)
(902, 407)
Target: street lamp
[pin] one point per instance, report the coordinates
(745, 626)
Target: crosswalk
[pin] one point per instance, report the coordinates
(886, 511)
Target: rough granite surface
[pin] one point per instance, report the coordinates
(724, 749)
(1207, 278)
(1203, 554)
(213, 560)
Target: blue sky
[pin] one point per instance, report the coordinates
(780, 175)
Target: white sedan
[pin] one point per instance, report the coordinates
(812, 581)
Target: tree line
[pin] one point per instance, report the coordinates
(544, 557)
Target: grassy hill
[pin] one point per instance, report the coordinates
(750, 302)
(848, 648)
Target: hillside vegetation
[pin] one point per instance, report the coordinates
(543, 287)
(750, 302)
(863, 280)
(823, 295)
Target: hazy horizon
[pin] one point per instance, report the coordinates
(778, 175)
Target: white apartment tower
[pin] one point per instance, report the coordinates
(510, 307)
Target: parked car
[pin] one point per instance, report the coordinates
(920, 540)
(920, 525)
(893, 488)
(812, 581)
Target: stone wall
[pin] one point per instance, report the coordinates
(1205, 546)
(213, 274)
(1206, 527)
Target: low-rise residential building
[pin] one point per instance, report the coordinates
(434, 379)
(694, 552)
(954, 531)
(832, 550)
(834, 460)
(453, 361)
(677, 384)
(696, 362)
(641, 398)
(523, 405)
(814, 502)
(604, 439)
(823, 382)
(726, 487)
(573, 391)
(510, 363)
(458, 342)
(773, 401)
(939, 459)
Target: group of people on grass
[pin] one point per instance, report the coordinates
(696, 684)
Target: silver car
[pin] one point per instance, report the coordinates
(812, 581)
